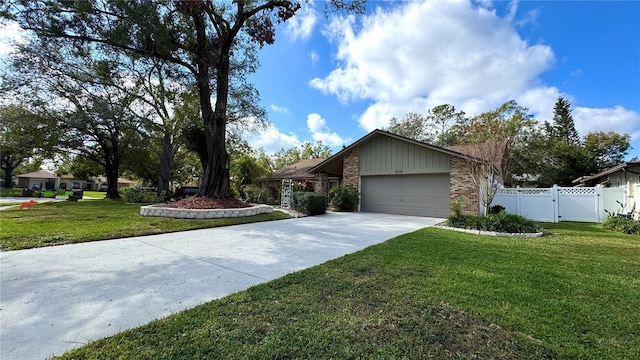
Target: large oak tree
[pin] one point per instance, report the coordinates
(199, 36)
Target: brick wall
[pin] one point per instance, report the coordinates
(351, 168)
(321, 183)
(462, 187)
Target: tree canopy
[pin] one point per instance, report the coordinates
(200, 37)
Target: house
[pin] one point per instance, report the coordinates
(625, 176)
(45, 179)
(299, 172)
(398, 175)
(37, 180)
(68, 182)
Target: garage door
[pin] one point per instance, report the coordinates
(419, 195)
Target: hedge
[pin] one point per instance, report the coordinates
(309, 203)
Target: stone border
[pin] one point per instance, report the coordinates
(163, 211)
(492, 233)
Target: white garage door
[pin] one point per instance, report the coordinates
(419, 195)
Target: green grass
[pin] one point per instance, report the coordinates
(573, 294)
(72, 222)
(10, 192)
(95, 194)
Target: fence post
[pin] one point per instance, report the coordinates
(599, 203)
(518, 208)
(555, 198)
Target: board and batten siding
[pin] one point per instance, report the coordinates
(387, 156)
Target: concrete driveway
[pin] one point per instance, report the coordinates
(58, 298)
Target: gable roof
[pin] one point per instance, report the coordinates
(377, 132)
(619, 167)
(40, 174)
(298, 171)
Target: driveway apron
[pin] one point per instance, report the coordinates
(57, 298)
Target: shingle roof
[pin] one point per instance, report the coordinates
(298, 171)
(40, 174)
(623, 166)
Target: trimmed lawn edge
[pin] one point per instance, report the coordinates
(491, 233)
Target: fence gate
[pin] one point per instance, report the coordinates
(579, 204)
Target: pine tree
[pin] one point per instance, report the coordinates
(563, 125)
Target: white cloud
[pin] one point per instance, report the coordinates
(279, 109)
(321, 132)
(302, 24)
(540, 101)
(272, 140)
(618, 119)
(428, 53)
(330, 139)
(314, 57)
(577, 73)
(315, 122)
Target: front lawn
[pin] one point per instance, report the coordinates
(574, 293)
(71, 222)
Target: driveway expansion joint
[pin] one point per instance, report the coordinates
(204, 261)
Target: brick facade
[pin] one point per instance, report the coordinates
(321, 183)
(461, 186)
(351, 168)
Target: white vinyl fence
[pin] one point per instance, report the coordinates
(585, 204)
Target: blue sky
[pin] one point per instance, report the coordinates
(335, 79)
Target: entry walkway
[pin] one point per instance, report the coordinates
(57, 298)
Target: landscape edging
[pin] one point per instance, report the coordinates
(175, 213)
(492, 233)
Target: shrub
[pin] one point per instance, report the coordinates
(344, 198)
(257, 195)
(623, 224)
(136, 195)
(496, 209)
(499, 222)
(309, 203)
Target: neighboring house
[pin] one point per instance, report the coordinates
(398, 175)
(625, 176)
(100, 183)
(298, 171)
(45, 179)
(68, 182)
(37, 180)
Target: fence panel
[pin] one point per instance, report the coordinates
(508, 198)
(585, 204)
(613, 201)
(534, 203)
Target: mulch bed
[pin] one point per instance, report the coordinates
(207, 203)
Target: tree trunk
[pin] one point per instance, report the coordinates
(166, 163)
(112, 167)
(112, 183)
(215, 181)
(8, 174)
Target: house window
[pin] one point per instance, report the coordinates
(333, 182)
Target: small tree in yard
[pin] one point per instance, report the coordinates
(489, 138)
